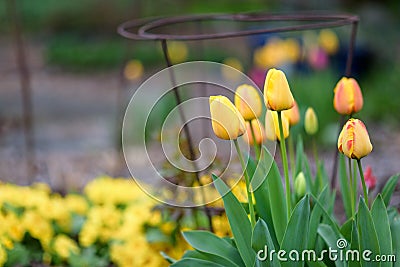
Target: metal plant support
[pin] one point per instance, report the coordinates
(143, 30)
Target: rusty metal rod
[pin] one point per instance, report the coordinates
(26, 91)
(186, 129)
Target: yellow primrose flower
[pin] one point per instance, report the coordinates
(63, 246)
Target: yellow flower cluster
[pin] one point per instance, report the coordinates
(113, 211)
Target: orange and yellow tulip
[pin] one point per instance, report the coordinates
(248, 102)
(293, 114)
(354, 140)
(259, 132)
(311, 121)
(277, 94)
(272, 126)
(348, 98)
(227, 122)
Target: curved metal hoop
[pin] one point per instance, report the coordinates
(308, 21)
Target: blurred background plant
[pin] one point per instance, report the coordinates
(82, 74)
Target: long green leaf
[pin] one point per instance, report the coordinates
(367, 236)
(277, 201)
(239, 222)
(395, 229)
(331, 239)
(388, 189)
(261, 238)
(194, 254)
(262, 194)
(315, 219)
(193, 262)
(207, 242)
(296, 233)
(167, 257)
(382, 226)
(354, 246)
(344, 186)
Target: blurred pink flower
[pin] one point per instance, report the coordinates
(317, 58)
(370, 178)
(258, 76)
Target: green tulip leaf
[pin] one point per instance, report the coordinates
(261, 238)
(331, 237)
(388, 189)
(382, 226)
(367, 235)
(296, 233)
(207, 242)
(395, 230)
(344, 186)
(194, 254)
(194, 262)
(238, 221)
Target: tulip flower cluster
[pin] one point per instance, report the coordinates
(280, 219)
(353, 140)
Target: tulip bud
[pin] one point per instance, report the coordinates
(272, 126)
(248, 102)
(258, 129)
(277, 94)
(300, 185)
(311, 122)
(354, 140)
(348, 98)
(292, 114)
(227, 122)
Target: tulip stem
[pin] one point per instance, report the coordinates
(255, 144)
(291, 156)
(352, 191)
(285, 164)
(247, 180)
(364, 186)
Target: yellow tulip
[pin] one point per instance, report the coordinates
(272, 126)
(259, 132)
(292, 114)
(348, 98)
(248, 102)
(354, 140)
(227, 122)
(311, 122)
(277, 94)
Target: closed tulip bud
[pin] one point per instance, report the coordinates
(348, 98)
(259, 132)
(293, 114)
(311, 122)
(354, 140)
(300, 185)
(227, 122)
(248, 102)
(272, 126)
(277, 94)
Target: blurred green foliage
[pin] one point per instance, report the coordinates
(81, 36)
